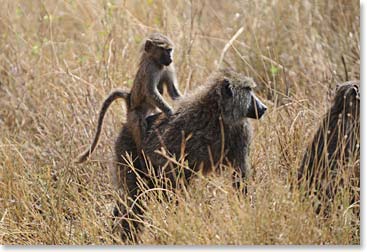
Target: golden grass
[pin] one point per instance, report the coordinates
(59, 59)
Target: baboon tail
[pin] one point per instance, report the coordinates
(111, 97)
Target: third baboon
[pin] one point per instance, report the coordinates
(210, 127)
(331, 161)
(155, 70)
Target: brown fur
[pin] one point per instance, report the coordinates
(213, 120)
(155, 70)
(334, 151)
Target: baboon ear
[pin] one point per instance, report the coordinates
(227, 89)
(358, 94)
(148, 45)
(355, 90)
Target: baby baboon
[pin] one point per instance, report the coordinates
(331, 161)
(155, 70)
(209, 127)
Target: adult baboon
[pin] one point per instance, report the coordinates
(155, 70)
(210, 127)
(331, 161)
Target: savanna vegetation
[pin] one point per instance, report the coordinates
(59, 60)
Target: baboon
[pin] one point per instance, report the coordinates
(155, 70)
(212, 125)
(331, 161)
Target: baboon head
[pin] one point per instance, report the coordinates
(237, 100)
(159, 48)
(347, 99)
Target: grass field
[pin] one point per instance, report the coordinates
(60, 59)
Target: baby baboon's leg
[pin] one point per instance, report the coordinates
(138, 127)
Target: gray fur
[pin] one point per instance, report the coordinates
(334, 145)
(221, 105)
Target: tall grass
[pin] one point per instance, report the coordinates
(59, 59)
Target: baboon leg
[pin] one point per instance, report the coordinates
(241, 165)
(138, 127)
(138, 131)
(130, 210)
(239, 182)
(126, 211)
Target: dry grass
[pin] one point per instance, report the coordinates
(59, 59)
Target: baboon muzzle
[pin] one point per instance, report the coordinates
(256, 109)
(167, 62)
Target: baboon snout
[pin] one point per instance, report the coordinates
(166, 60)
(256, 109)
(169, 61)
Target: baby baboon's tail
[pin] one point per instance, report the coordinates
(111, 97)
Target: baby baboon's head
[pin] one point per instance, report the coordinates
(159, 48)
(237, 100)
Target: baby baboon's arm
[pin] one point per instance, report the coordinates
(169, 77)
(156, 98)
